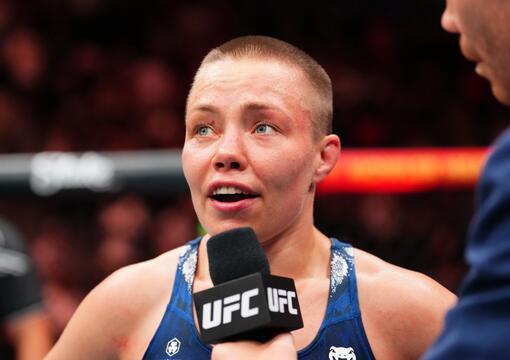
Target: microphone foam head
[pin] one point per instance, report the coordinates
(235, 253)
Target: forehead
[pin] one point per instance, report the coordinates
(230, 82)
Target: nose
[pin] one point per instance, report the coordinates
(449, 21)
(230, 154)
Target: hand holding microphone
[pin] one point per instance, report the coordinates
(280, 347)
(246, 303)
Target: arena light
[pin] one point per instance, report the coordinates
(404, 170)
(55, 171)
(358, 171)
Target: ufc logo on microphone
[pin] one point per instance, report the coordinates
(253, 307)
(278, 299)
(220, 311)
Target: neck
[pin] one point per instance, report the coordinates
(299, 252)
(297, 256)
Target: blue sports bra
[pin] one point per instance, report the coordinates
(340, 336)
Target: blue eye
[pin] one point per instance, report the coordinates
(204, 130)
(264, 129)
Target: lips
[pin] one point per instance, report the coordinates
(228, 197)
(479, 70)
(468, 51)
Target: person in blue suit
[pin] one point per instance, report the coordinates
(478, 326)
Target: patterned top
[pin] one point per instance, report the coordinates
(340, 336)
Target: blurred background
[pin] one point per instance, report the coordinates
(112, 75)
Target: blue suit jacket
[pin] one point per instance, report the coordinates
(478, 327)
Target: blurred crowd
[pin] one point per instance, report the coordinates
(79, 75)
(76, 242)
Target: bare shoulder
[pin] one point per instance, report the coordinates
(114, 308)
(375, 274)
(140, 284)
(402, 310)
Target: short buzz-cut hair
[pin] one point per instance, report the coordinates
(268, 48)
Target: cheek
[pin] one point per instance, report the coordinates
(193, 162)
(187, 167)
(285, 170)
(193, 168)
(478, 25)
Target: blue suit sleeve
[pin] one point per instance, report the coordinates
(478, 327)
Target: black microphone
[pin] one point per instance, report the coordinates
(247, 302)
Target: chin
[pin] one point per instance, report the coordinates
(502, 94)
(226, 225)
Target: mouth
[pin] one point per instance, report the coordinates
(479, 70)
(468, 51)
(471, 56)
(232, 198)
(227, 199)
(231, 194)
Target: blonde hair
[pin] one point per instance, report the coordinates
(267, 48)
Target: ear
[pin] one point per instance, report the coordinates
(328, 156)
